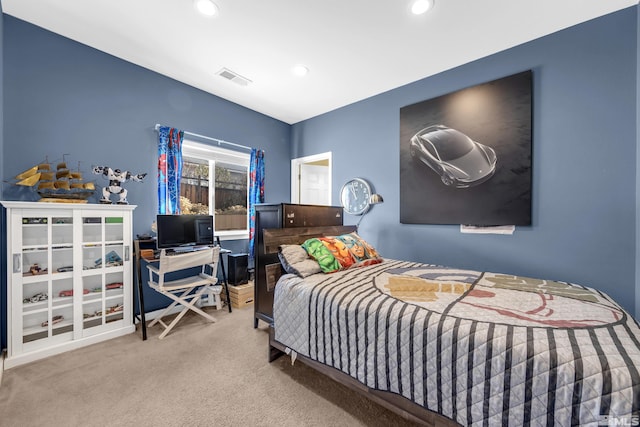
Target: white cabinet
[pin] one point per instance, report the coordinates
(69, 277)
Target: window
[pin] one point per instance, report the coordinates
(215, 181)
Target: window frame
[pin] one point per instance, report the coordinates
(213, 154)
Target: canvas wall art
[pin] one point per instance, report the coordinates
(465, 157)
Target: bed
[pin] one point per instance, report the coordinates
(446, 346)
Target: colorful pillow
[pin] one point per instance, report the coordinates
(339, 251)
(294, 260)
(362, 252)
(318, 251)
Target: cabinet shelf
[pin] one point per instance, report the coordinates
(33, 278)
(42, 308)
(94, 271)
(62, 274)
(34, 248)
(56, 301)
(107, 316)
(40, 329)
(68, 302)
(33, 305)
(69, 237)
(92, 298)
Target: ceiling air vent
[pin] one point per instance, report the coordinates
(234, 77)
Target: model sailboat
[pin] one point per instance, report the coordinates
(59, 185)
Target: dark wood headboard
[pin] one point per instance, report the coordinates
(274, 237)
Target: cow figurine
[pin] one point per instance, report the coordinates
(116, 178)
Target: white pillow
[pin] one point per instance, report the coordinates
(295, 260)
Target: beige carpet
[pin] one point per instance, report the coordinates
(201, 374)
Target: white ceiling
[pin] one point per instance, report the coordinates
(354, 48)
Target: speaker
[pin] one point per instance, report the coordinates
(238, 268)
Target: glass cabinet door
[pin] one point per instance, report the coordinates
(46, 254)
(103, 256)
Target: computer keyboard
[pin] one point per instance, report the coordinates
(186, 249)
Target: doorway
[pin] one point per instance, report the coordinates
(311, 180)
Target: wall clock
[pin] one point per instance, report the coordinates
(355, 196)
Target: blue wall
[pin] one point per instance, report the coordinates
(62, 97)
(584, 161)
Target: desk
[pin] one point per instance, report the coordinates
(140, 245)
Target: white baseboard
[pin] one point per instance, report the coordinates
(2, 356)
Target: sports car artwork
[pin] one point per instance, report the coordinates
(460, 161)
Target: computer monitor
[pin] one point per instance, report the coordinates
(176, 231)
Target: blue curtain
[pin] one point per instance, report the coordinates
(256, 193)
(169, 170)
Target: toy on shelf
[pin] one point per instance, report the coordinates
(114, 309)
(110, 310)
(56, 319)
(59, 185)
(69, 292)
(112, 259)
(115, 285)
(116, 178)
(40, 296)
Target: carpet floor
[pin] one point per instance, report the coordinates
(201, 374)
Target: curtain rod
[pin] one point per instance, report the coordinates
(219, 141)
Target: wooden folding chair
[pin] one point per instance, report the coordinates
(185, 291)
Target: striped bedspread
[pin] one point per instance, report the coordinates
(479, 348)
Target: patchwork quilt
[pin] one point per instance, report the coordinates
(479, 348)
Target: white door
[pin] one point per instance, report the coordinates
(314, 185)
(311, 179)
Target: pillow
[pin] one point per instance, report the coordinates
(317, 250)
(362, 252)
(294, 260)
(339, 251)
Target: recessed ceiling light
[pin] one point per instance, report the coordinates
(421, 6)
(206, 7)
(300, 70)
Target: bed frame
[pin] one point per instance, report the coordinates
(402, 406)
